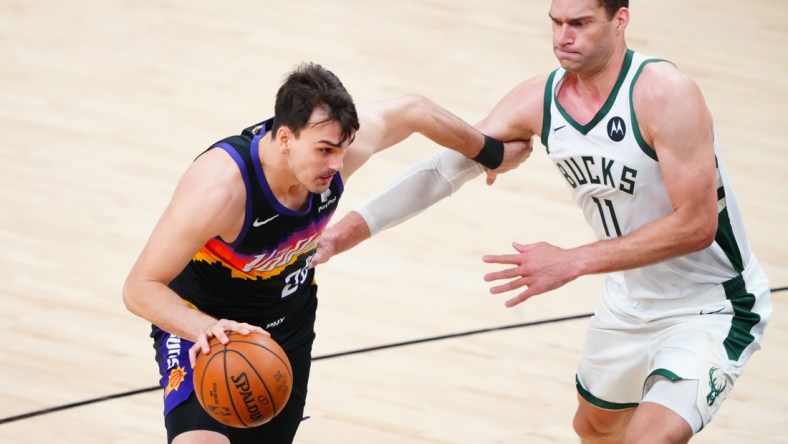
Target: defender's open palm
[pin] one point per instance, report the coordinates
(539, 267)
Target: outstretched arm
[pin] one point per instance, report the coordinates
(386, 123)
(516, 118)
(423, 184)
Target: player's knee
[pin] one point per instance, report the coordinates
(583, 427)
(589, 428)
(592, 424)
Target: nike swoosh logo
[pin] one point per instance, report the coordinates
(704, 312)
(259, 223)
(555, 130)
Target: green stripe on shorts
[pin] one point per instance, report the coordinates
(601, 403)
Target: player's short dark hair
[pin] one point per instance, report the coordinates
(310, 86)
(612, 6)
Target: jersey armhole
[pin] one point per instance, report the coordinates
(645, 147)
(546, 118)
(239, 161)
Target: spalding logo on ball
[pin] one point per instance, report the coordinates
(245, 383)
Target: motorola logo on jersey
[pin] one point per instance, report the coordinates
(616, 129)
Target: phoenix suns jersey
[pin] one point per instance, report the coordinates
(615, 178)
(263, 277)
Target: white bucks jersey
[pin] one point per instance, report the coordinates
(615, 177)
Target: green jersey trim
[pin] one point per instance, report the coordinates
(611, 99)
(725, 237)
(601, 403)
(665, 373)
(647, 149)
(546, 116)
(744, 319)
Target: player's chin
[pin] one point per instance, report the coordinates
(324, 182)
(319, 187)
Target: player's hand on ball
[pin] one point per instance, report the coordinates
(244, 383)
(218, 330)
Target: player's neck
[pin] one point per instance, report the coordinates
(593, 86)
(284, 185)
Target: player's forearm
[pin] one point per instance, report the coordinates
(417, 188)
(448, 130)
(346, 234)
(663, 239)
(161, 306)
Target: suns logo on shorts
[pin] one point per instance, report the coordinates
(177, 375)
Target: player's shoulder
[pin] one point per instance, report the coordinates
(661, 82)
(214, 175)
(534, 85)
(216, 161)
(529, 94)
(664, 77)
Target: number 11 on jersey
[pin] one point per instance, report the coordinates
(612, 214)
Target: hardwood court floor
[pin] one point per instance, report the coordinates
(104, 104)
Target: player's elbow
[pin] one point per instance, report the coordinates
(702, 234)
(131, 297)
(414, 100)
(128, 297)
(417, 108)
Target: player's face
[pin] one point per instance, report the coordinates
(583, 37)
(316, 155)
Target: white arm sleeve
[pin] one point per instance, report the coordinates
(420, 186)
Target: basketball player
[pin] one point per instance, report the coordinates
(685, 302)
(232, 250)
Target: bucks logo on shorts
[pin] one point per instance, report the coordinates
(716, 385)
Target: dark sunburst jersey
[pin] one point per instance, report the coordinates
(263, 277)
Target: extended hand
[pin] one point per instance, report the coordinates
(514, 153)
(539, 267)
(340, 237)
(326, 247)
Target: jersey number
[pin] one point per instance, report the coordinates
(296, 278)
(612, 212)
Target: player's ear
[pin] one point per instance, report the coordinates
(621, 19)
(283, 138)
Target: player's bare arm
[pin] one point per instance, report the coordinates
(515, 119)
(518, 115)
(683, 141)
(208, 201)
(388, 122)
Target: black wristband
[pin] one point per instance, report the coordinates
(491, 155)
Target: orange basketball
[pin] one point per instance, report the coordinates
(244, 383)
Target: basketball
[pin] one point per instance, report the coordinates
(245, 383)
